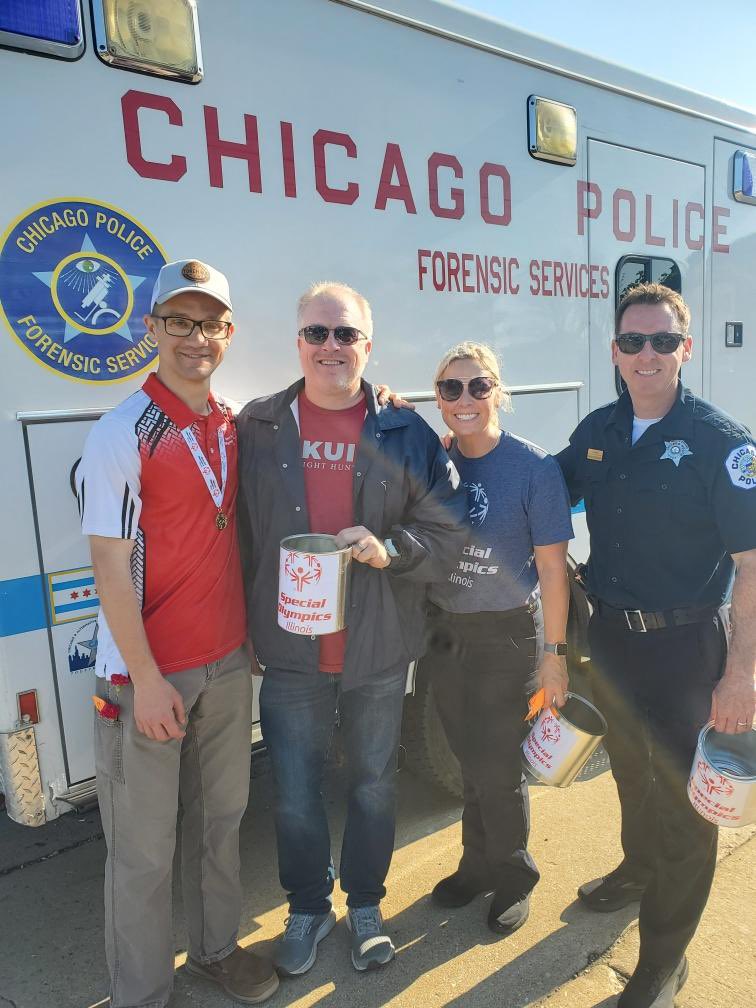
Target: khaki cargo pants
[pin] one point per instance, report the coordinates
(139, 784)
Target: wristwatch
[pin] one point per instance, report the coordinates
(392, 550)
(558, 649)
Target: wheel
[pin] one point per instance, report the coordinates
(427, 752)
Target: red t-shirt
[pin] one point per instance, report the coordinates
(138, 480)
(329, 440)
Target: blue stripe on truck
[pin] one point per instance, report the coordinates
(23, 605)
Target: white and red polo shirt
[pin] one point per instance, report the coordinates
(138, 480)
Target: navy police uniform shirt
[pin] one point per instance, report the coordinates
(664, 514)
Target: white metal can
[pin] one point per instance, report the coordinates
(312, 584)
(722, 783)
(562, 741)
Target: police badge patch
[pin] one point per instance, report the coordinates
(76, 278)
(741, 466)
(675, 451)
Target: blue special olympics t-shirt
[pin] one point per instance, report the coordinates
(517, 499)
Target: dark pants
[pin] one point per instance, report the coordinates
(654, 690)
(481, 665)
(298, 711)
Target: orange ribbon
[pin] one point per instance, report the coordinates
(536, 703)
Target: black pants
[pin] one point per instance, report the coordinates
(654, 690)
(480, 666)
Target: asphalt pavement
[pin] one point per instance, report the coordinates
(51, 947)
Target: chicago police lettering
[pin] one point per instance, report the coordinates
(75, 280)
(741, 466)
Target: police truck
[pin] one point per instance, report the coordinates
(473, 181)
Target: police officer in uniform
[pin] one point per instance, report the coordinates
(669, 484)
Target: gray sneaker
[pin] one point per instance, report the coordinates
(297, 948)
(371, 947)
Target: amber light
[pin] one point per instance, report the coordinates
(552, 130)
(154, 36)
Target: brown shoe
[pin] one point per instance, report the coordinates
(243, 975)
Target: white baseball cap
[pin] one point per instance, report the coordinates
(185, 275)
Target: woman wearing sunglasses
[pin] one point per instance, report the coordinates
(492, 638)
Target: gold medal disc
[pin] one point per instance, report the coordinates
(221, 521)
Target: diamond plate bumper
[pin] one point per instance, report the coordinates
(19, 773)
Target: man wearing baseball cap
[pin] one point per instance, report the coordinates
(157, 489)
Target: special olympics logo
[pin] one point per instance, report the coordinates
(550, 729)
(477, 503)
(714, 783)
(76, 279)
(303, 569)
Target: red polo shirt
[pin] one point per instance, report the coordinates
(139, 480)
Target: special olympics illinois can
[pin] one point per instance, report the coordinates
(722, 783)
(562, 741)
(312, 584)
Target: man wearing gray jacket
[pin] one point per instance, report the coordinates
(323, 456)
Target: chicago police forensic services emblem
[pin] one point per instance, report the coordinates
(741, 466)
(675, 451)
(76, 277)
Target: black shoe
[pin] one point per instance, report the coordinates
(458, 890)
(654, 986)
(616, 890)
(505, 917)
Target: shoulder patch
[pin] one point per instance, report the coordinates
(741, 466)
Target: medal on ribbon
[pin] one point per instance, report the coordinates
(215, 490)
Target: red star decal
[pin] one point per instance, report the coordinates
(86, 593)
(74, 594)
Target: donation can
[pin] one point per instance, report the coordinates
(722, 783)
(562, 740)
(312, 584)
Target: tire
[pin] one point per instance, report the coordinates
(427, 753)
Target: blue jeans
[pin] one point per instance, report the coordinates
(298, 711)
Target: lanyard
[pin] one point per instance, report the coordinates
(216, 491)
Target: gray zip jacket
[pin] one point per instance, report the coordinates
(404, 487)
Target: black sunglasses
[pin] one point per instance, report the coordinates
(345, 335)
(450, 389)
(662, 342)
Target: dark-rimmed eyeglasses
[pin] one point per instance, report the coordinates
(662, 342)
(177, 325)
(345, 335)
(481, 387)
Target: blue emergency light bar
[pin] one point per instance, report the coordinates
(53, 27)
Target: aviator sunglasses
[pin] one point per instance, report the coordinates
(450, 389)
(662, 342)
(345, 335)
